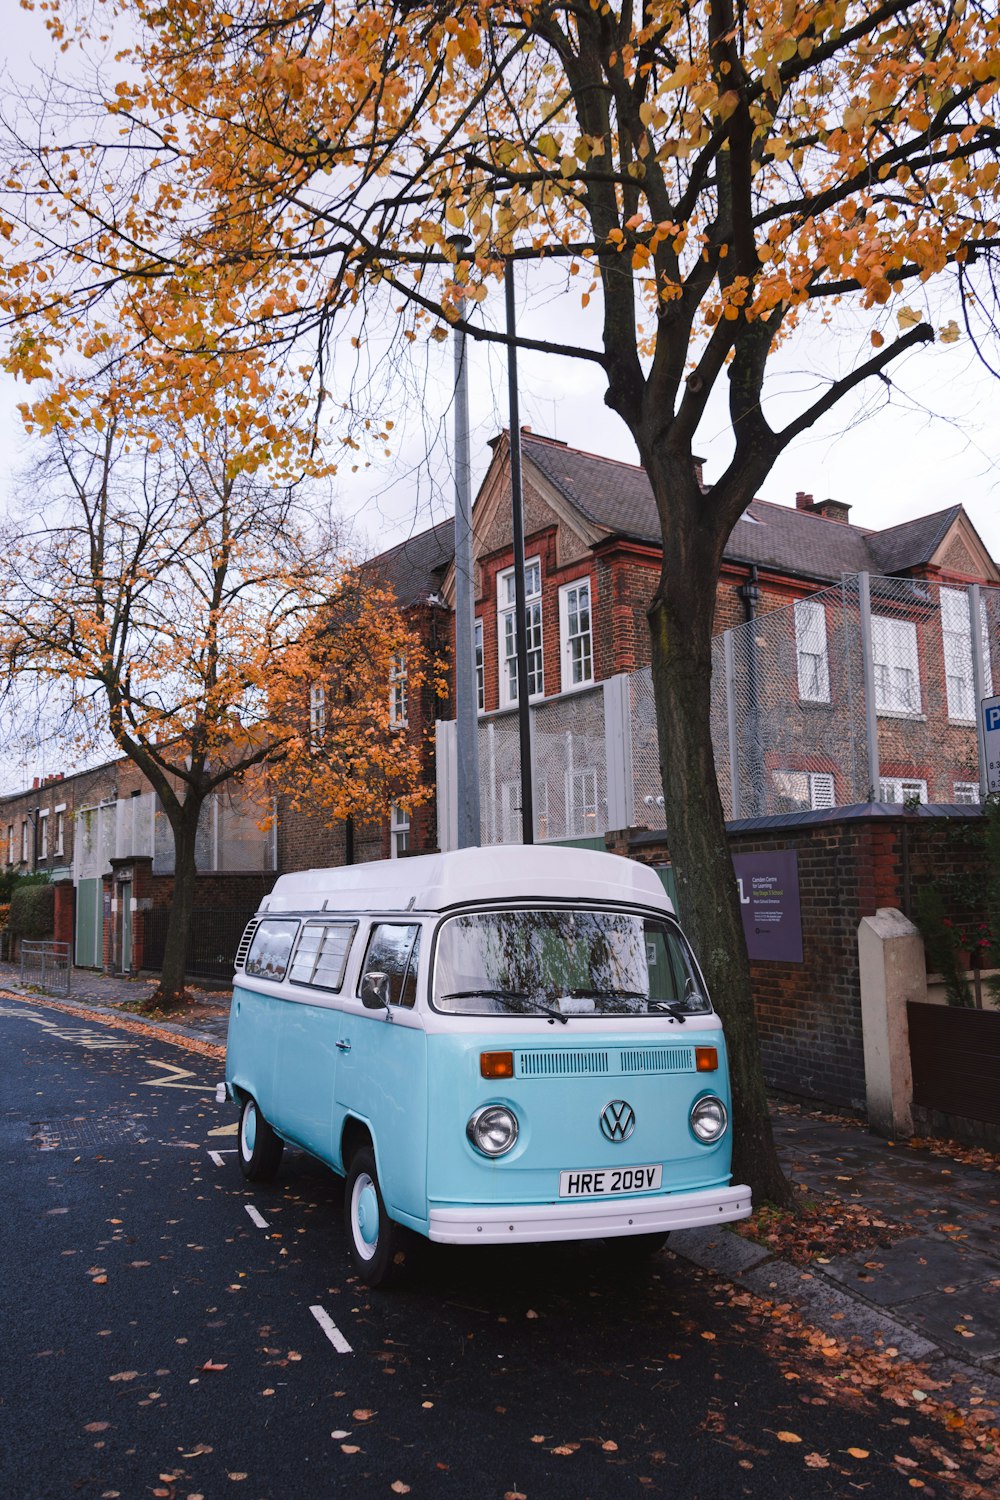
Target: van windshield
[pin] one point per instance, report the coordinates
(564, 963)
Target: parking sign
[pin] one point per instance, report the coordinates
(990, 709)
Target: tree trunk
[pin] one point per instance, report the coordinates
(681, 621)
(171, 993)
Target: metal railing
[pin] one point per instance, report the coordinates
(214, 939)
(47, 965)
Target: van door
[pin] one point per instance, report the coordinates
(382, 1068)
(308, 1055)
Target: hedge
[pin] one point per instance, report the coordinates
(32, 911)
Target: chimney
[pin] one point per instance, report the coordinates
(34, 785)
(833, 510)
(803, 501)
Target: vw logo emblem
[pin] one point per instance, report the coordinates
(617, 1120)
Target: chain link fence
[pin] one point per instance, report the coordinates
(865, 691)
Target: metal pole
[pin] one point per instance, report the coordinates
(868, 667)
(978, 682)
(517, 517)
(734, 755)
(466, 704)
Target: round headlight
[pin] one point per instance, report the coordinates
(492, 1130)
(709, 1118)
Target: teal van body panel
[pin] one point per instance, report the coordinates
(255, 1026)
(559, 1112)
(382, 1081)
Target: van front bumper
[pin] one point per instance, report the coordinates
(590, 1219)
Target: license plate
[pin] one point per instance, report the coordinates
(600, 1181)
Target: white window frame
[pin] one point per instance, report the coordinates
(899, 788)
(60, 831)
(317, 714)
(398, 707)
(817, 788)
(896, 667)
(581, 802)
(480, 660)
(577, 645)
(10, 843)
(43, 833)
(25, 845)
(399, 830)
(811, 651)
(506, 634)
(968, 793)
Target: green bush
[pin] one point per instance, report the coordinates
(32, 911)
(12, 879)
(942, 945)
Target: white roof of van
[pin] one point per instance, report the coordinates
(432, 882)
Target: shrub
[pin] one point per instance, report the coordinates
(32, 911)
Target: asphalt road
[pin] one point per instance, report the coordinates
(161, 1337)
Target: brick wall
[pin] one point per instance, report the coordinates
(850, 864)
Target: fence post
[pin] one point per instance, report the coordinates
(978, 681)
(734, 754)
(447, 789)
(618, 751)
(868, 668)
(892, 970)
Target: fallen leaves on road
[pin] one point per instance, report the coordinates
(788, 1437)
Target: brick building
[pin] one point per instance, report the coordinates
(105, 843)
(593, 554)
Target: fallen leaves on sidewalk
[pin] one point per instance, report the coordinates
(823, 1227)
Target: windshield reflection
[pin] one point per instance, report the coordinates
(562, 963)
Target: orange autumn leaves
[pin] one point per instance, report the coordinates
(740, 166)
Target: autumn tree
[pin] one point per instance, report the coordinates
(184, 609)
(270, 175)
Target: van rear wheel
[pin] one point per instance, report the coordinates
(377, 1244)
(259, 1148)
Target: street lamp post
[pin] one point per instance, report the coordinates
(466, 698)
(517, 519)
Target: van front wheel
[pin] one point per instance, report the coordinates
(259, 1148)
(376, 1243)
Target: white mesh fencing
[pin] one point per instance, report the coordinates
(866, 691)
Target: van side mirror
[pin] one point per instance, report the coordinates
(375, 990)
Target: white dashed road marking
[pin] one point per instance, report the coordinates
(257, 1218)
(331, 1330)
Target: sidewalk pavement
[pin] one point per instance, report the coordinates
(929, 1293)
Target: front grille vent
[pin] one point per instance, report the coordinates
(576, 1063)
(245, 941)
(658, 1060)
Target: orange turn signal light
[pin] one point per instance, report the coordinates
(496, 1064)
(706, 1059)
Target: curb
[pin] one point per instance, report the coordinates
(823, 1302)
(164, 1031)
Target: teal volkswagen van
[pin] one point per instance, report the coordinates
(506, 1044)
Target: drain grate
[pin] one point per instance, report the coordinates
(83, 1131)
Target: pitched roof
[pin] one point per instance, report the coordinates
(617, 498)
(912, 543)
(415, 568)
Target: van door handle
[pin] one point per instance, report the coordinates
(343, 1046)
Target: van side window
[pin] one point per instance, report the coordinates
(394, 949)
(272, 943)
(321, 955)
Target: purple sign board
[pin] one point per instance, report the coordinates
(768, 885)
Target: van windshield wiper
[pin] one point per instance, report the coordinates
(539, 1007)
